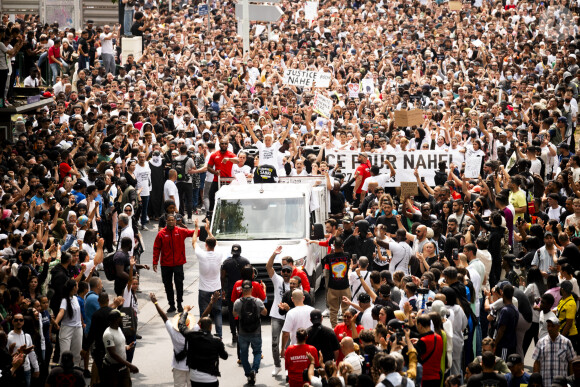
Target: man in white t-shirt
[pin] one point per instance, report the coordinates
(281, 285)
(170, 191)
(115, 366)
(210, 264)
(268, 150)
(144, 186)
(107, 51)
(297, 317)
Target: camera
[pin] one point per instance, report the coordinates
(397, 327)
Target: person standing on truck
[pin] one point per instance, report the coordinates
(220, 164)
(361, 173)
(169, 250)
(210, 263)
(268, 150)
(231, 273)
(281, 283)
(296, 272)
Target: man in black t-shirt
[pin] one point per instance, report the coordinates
(139, 26)
(65, 374)
(230, 273)
(265, 174)
(338, 285)
(122, 263)
(322, 338)
(488, 377)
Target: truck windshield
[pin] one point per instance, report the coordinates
(248, 219)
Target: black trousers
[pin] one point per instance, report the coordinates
(3, 80)
(168, 274)
(212, 191)
(185, 198)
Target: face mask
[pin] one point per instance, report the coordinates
(509, 77)
(567, 100)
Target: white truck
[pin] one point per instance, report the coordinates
(260, 217)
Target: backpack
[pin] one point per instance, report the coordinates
(109, 266)
(179, 166)
(249, 315)
(386, 383)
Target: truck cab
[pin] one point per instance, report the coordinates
(260, 217)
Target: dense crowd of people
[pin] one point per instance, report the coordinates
(446, 287)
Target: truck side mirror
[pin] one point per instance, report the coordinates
(317, 232)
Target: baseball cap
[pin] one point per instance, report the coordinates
(553, 320)
(347, 219)
(287, 267)
(513, 360)
(315, 316)
(364, 154)
(236, 249)
(567, 286)
(93, 171)
(247, 284)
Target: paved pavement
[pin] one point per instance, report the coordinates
(154, 352)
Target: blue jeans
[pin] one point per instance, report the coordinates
(144, 207)
(203, 300)
(42, 58)
(244, 342)
(195, 200)
(55, 70)
(128, 21)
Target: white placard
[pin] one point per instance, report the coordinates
(426, 161)
(368, 85)
(305, 78)
(473, 167)
(353, 90)
(311, 10)
(259, 29)
(322, 105)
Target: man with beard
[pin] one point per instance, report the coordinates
(220, 165)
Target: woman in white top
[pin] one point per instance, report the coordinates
(534, 290)
(70, 322)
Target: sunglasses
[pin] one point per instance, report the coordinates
(18, 320)
(286, 271)
(128, 210)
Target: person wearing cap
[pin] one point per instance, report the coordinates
(361, 173)
(169, 251)
(249, 335)
(554, 210)
(566, 312)
(116, 368)
(553, 353)
(517, 376)
(38, 198)
(364, 306)
(322, 337)
(231, 272)
(281, 283)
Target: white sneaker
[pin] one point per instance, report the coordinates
(276, 371)
(326, 313)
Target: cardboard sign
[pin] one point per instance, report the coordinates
(409, 188)
(473, 167)
(404, 162)
(368, 85)
(455, 5)
(322, 105)
(353, 90)
(404, 118)
(311, 10)
(304, 78)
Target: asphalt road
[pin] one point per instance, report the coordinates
(153, 353)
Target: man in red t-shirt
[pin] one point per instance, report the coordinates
(296, 360)
(220, 163)
(362, 172)
(55, 61)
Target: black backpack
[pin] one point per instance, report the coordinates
(179, 166)
(249, 315)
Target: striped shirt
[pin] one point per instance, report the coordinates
(554, 357)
